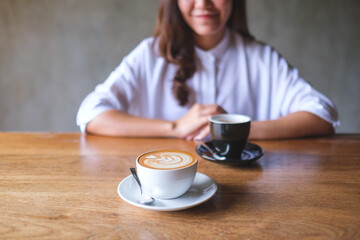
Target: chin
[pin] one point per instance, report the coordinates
(207, 32)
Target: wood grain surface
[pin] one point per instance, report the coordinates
(64, 186)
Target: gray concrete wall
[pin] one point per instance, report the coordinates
(54, 52)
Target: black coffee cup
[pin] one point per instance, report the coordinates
(229, 133)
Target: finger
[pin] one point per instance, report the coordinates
(188, 138)
(196, 132)
(209, 110)
(220, 109)
(203, 133)
(191, 136)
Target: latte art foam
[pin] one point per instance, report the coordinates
(167, 159)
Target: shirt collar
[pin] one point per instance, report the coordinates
(218, 50)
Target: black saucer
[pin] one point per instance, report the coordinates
(250, 154)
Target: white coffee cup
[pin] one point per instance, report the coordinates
(166, 174)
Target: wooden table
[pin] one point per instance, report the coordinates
(64, 186)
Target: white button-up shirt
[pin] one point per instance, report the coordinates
(249, 78)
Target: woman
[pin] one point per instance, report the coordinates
(203, 61)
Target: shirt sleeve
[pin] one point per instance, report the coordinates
(294, 94)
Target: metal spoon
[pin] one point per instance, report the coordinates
(144, 199)
(213, 153)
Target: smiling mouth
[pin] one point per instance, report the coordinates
(206, 16)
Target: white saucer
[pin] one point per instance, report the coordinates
(202, 189)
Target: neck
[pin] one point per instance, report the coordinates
(208, 42)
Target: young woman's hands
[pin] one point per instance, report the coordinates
(195, 124)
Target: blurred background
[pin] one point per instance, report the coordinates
(54, 52)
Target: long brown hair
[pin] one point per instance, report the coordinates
(176, 43)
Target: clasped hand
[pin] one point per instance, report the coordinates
(195, 124)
